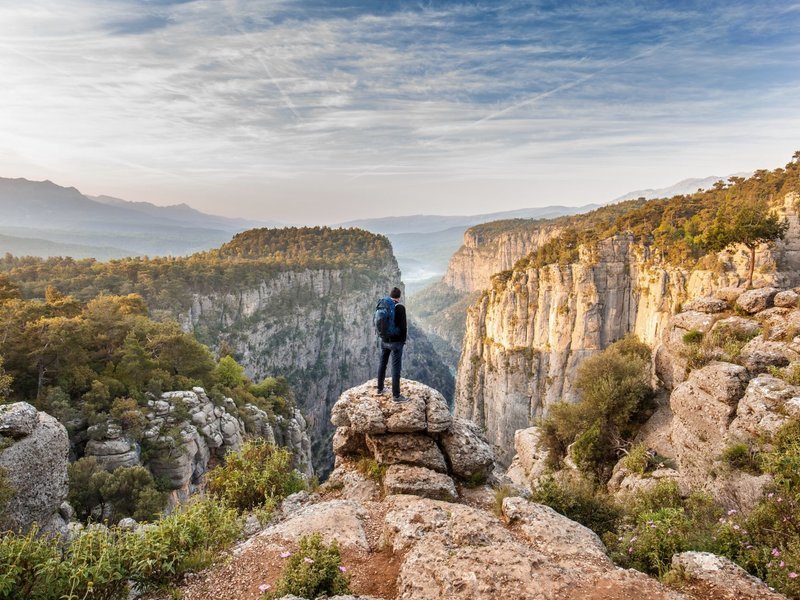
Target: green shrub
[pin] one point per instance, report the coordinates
(615, 399)
(229, 373)
(314, 570)
(742, 457)
(33, 566)
(698, 355)
(129, 415)
(651, 543)
(730, 340)
(766, 541)
(660, 524)
(664, 494)
(185, 541)
(790, 374)
(581, 502)
(258, 475)
(128, 491)
(100, 562)
(22, 562)
(637, 460)
(369, 467)
(693, 337)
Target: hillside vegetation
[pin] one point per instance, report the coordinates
(168, 282)
(677, 227)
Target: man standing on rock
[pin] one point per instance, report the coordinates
(390, 321)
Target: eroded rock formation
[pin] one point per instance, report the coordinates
(186, 430)
(34, 450)
(417, 445)
(408, 547)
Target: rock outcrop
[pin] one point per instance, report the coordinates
(34, 450)
(719, 573)
(411, 547)
(728, 401)
(205, 431)
(417, 445)
(529, 332)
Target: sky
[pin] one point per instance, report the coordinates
(317, 112)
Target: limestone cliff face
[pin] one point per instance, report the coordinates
(488, 249)
(491, 248)
(526, 337)
(315, 328)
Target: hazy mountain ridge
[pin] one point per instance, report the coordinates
(685, 186)
(434, 223)
(58, 220)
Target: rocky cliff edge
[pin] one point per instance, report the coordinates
(396, 543)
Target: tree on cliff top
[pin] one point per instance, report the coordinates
(750, 224)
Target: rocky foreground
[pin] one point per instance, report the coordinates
(410, 527)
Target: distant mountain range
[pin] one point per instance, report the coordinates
(45, 219)
(687, 186)
(434, 223)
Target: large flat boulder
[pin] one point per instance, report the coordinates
(464, 553)
(419, 481)
(787, 299)
(565, 541)
(113, 454)
(340, 520)
(729, 580)
(766, 406)
(364, 411)
(410, 448)
(707, 304)
(753, 301)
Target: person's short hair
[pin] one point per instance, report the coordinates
(395, 293)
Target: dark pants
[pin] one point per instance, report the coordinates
(396, 350)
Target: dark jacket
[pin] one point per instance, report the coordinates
(400, 322)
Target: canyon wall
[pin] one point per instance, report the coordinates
(492, 248)
(526, 336)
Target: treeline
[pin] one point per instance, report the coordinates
(85, 362)
(169, 282)
(679, 227)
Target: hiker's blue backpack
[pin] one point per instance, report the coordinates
(384, 319)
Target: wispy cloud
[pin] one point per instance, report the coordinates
(221, 101)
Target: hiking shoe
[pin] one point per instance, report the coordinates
(399, 399)
(380, 392)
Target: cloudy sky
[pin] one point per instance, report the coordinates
(312, 111)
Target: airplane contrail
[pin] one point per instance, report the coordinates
(286, 98)
(555, 90)
(526, 102)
